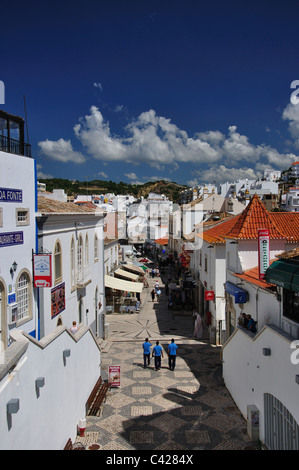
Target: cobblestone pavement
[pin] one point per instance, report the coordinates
(185, 409)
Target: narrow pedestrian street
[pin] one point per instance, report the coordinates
(185, 409)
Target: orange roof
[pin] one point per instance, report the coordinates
(281, 225)
(218, 232)
(252, 276)
(254, 217)
(162, 241)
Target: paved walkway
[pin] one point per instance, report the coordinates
(185, 409)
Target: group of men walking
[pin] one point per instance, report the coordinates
(157, 353)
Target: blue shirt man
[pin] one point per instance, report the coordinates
(158, 353)
(146, 352)
(172, 352)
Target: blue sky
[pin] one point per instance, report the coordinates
(133, 91)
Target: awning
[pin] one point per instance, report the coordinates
(162, 241)
(241, 295)
(122, 272)
(120, 284)
(132, 267)
(283, 274)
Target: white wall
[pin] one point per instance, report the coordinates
(62, 228)
(17, 172)
(248, 375)
(47, 419)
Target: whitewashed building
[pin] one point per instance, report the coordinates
(18, 308)
(258, 368)
(74, 236)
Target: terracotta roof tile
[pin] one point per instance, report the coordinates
(254, 217)
(51, 206)
(252, 276)
(282, 225)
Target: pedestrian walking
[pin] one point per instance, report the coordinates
(198, 325)
(153, 293)
(158, 293)
(157, 353)
(172, 353)
(146, 352)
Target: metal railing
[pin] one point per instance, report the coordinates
(7, 144)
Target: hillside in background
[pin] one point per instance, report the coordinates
(73, 188)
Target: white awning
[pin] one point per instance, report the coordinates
(126, 274)
(120, 284)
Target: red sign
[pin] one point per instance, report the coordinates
(114, 376)
(264, 251)
(42, 270)
(209, 295)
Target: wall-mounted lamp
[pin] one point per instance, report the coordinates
(66, 353)
(13, 406)
(40, 382)
(266, 351)
(13, 267)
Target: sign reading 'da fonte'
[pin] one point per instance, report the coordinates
(11, 195)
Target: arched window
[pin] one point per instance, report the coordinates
(96, 248)
(57, 263)
(73, 271)
(80, 260)
(86, 251)
(23, 296)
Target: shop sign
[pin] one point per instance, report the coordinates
(263, 251)
(114, 376)
(57, 300)
(42, 270)
(209, 295)
(11, 238)
(11, 195)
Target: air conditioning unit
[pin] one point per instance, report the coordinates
(12, 313)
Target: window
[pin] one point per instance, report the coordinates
(96, 248)
(291, 305)
(86, 251)
(80, 258)
(73, 278)
(57, 263)
(22, 217)
(206, 264)
(23, 296)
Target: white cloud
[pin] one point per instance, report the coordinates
(291, 114)
(221, 174)
(98, 85)
(41, 174)
(61, 150)
(102, 174)
(131, 176)
(156, 141)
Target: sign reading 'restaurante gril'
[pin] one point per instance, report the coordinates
(10, 195)
(264, 251)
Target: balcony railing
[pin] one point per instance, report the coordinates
(7, 144)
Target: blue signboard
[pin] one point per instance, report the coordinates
(12, 298)
(241, 295)
(11, 238)
(11, 195)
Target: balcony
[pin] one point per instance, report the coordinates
(10, 145)
(12, 135)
